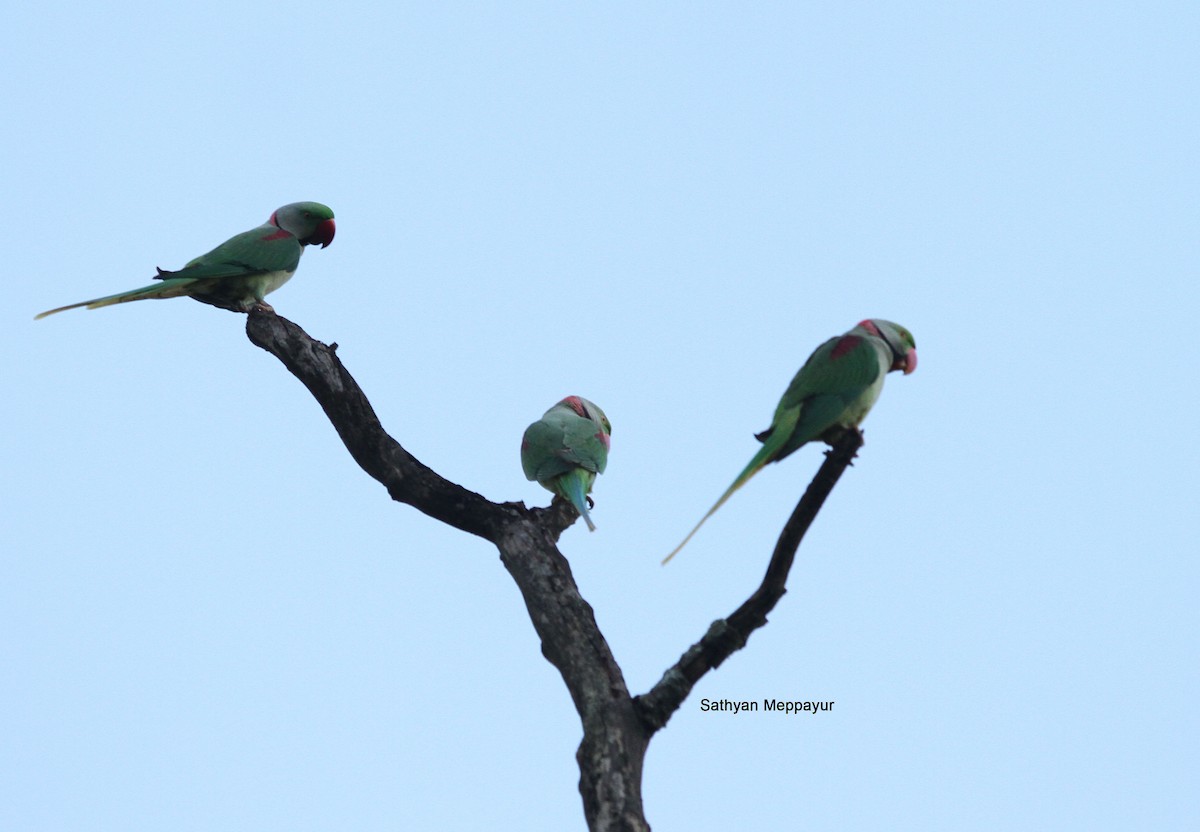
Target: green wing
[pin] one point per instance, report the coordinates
(839, 372)
(540, 459)
(842, 366)
(581, 446)
(553, 447)
(258, 251)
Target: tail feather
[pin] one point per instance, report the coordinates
(773, 439)
(169, 288)
(574, 486)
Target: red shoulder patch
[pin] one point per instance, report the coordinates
(845, 346)
(277, 235)
(575, 404)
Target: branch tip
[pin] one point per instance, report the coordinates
(726, 636)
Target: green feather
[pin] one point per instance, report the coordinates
(779, 432)
(574, 486)
(170, 288)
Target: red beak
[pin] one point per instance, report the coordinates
(910, 361)
(323, 234)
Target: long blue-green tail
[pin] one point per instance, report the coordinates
(172, 287)
(774, 440)
(574, 485)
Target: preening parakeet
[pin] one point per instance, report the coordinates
(835, 388)
(237, 274)
(566, 449)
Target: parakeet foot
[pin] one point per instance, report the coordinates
(835, 433)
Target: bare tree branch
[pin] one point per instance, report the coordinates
(614, 742)
(727, 635)
(377, 453)
(616, 727)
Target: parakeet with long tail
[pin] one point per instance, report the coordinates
(566, 449)
(240, 272)
(834, 389)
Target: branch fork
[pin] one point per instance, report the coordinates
(617, 727)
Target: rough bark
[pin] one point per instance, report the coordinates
(727, 635)
(617, 727)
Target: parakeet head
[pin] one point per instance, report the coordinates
(899, 339)
(309, 222)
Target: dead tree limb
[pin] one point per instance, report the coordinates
(727, 635)
(616, 726)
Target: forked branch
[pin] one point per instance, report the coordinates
(616, 726)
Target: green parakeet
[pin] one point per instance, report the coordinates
(237, 274)
(566, 449)
(834, 389)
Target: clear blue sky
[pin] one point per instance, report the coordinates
(213, 620)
